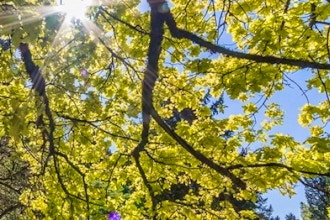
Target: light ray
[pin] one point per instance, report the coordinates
(59, 38)
(24, 16)
(69, 9)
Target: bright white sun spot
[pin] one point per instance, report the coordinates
(74, 9)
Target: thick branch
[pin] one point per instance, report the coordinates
(198, 155)
(150, 77)
(38, 81)
(151, 74)
(179, 33)
(40, 87)
(275, 165)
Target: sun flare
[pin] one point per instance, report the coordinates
(74, 9)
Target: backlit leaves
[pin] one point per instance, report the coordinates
(94, 88)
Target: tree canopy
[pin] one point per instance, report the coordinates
(317, 197)
(125, 111)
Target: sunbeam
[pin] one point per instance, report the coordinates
(73, 10)
(21, 16)
(75, 13)
(72, 15)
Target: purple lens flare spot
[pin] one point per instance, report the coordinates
(84, 73)
(114, 216)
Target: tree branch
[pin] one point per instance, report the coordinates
(150, 77)
(151, 74)
(278, 165)
(180, 33)
(39, 86)
(198, 155)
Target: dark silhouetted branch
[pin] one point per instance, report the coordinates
(198, 155)
(151, 73)
(39, 86)
(276, 165)
(180, 33)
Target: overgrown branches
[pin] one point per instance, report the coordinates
(150, 77)
(157, 21)
(38, 84)
(180, 33)
(198, 155)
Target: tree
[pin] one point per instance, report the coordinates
(115, 81)
(263, 211)
(291, 217)
(305, 213)
(13, 180)
(318, 198)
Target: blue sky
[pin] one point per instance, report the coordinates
(283, 205)
(291, 100)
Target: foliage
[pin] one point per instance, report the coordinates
(93, 153)
(291, 217)
(13, 180)
(318, 198)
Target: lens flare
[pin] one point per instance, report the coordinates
(74, 9)
(114, 216)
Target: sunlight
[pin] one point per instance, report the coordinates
(74, 9)
(72, 15)
(23, 16)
